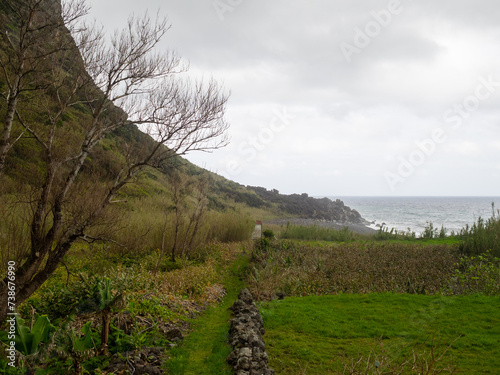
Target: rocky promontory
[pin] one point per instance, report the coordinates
(320, 210)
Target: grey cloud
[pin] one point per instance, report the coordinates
(285, 53)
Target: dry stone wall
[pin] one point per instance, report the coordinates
(249, 355)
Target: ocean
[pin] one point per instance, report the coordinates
(402, 213)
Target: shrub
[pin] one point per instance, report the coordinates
(59, 301)
(385, 234)
(483, 236)
(268, 233)
(429, 231)
(476, 274)
(263, 244)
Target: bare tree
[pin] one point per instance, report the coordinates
(180, 189)
(35, 31)
(81, 105)
(183, 215)
(201, 190)
(164, 231)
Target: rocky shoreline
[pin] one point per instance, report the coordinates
(361, 228)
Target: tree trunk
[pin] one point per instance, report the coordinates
(106, 318)
(7, 129)
(174, 246)
(78, 366)
(29, 277)
(178, 214)
(3, 301)
(162, 252)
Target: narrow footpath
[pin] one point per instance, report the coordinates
(205, 349)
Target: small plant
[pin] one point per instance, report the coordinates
(429, 231)
(268, 233)
(442, 232)
(421, 361)
(476, 274)
(78, 347)
(30, 339)
(107, 301)
(6, 369)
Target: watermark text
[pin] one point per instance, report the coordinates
(454, 119)
(11, 312)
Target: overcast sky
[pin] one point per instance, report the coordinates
(345, 97)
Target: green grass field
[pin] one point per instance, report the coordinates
(406, 334)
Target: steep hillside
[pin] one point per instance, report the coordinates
(170, 186)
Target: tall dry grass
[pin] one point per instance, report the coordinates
(14, 231)
(146, 224)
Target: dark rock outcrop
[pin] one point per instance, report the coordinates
(306, 207)
(146, 361)
(249, 356)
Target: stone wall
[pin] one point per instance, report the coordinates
(249, 355)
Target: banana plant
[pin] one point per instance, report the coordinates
(106, 302)
(81, 346)
(77, 346)
(29, 341)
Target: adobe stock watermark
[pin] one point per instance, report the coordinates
(224, 6)
(249, 149)
(363, 37)
(11, 313)
(454, 119)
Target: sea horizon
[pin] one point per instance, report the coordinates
(414, 213)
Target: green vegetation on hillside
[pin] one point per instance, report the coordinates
(68, 149)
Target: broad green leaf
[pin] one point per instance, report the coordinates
(84, 342)
(27, 341)
(41, 331)
(105, 294)
(24, 338)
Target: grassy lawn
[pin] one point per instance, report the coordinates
(205, 349)
(349, 332)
